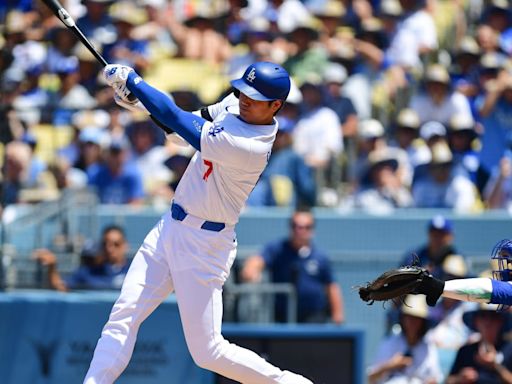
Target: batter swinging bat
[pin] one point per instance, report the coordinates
(59, 11)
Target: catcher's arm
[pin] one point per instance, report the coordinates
(477, 289)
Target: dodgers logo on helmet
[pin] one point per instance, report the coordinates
(264, 81)
(252, 75)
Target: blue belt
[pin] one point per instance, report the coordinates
(178, 213)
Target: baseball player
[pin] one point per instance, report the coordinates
(495, 291)
(191, 249)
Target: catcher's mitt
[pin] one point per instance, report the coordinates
(396, 283)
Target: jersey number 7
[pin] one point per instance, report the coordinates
(209, 169)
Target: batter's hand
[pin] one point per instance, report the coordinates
(134, 106)
(116, 76)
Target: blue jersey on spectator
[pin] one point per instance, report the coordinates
(497, 127)
(116, 189)
(308, 269)
(105, 276)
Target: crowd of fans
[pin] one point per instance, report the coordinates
(395, 103)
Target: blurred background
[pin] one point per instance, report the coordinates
(397, 136)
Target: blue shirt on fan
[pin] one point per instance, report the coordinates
(309, 270)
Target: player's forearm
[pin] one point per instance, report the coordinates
(477, 290)
(164, 110)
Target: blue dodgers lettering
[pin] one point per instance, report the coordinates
(213, 131)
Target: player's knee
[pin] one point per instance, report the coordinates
(209, 357)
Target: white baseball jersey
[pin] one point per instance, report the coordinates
(233, 155)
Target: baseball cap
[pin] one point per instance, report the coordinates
(437, 73)
(119, 144)
(408, 118)
(335, 73)
(440, 223)
(462, 122)
(90, 135)
(441, 154)
(431, 129)
(370, 128)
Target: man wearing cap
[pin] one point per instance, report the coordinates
(117, 181)
(96, 23)
(407, 356)
(382, 189)
(444, 186)
(287, 180)
(127, 49)
(461, 136)
(488, 360)
(440, 244)
(407, 127)
(439, 101)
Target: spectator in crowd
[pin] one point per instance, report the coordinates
(37, 166)
(495, 108)
(440, 244)
(102, 267)
(464, 70)
(127, 48)
(30, 103)
(407, 138)
(462, 134)
(61, 47)
(198, 38)
(383, 190)
(407, 357)
(14, 171)
(287, 180)
(370, 137)
(71, 96)
(298, 261)
(432, 133)
(91, 142)
(306, 60)
(334, 77)
(444, 186)
(438, 101)
(148, 155)
(488, 360)
(96, 23)
(497, 15)
(317, 137)
(498, 192)
(117, 181)
(487, 38)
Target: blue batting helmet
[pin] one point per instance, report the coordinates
(264, 81)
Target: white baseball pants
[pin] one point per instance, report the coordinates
(195, 263)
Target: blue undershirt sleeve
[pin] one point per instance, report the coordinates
(159, 105)
(501, 292)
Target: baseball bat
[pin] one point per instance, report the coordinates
(59, 11)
